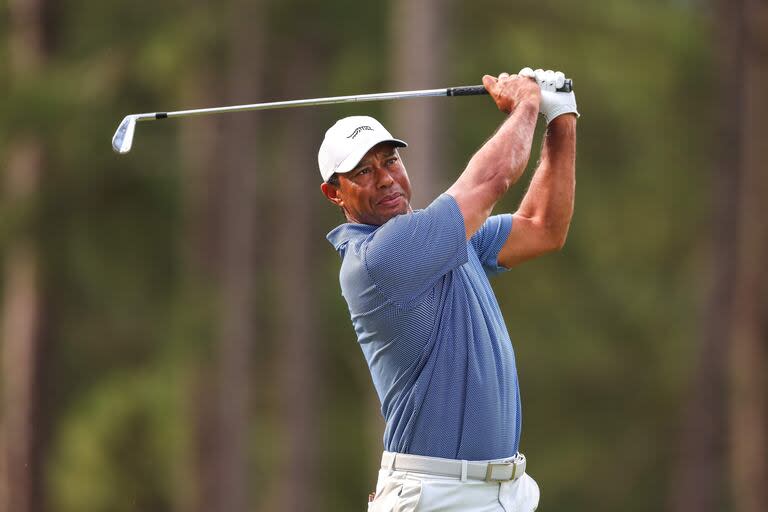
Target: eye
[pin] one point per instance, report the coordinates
(364, 170)
(392, 160)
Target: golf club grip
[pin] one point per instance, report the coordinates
(474, 90)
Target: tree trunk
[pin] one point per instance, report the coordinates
(21, 312)
(698, 476)
(418, 56)
(748, 334)
(201, 250)
(297, 368)
(238, 259)
(222, 200)
(20, 343)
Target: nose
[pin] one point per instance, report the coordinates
(383, 178)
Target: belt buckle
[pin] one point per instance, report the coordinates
(489, 472)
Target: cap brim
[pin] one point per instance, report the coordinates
(354, 158)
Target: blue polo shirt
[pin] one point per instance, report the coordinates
(432, 332)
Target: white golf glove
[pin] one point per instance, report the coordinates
(553, 103)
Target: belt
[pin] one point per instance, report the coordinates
(501, 470)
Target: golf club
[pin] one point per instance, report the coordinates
(123, 138)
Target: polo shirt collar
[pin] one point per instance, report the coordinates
(342, 234)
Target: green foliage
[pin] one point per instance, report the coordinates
(116, 450)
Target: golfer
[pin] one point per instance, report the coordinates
(426, 318)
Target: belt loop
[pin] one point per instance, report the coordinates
(392, 463)
(463, 471)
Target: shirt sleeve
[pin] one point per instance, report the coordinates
(489, 239)
(408, 254)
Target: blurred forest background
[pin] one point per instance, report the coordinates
(173, 335)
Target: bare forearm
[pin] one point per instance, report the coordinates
(496, 166)
(550, 198)
(506, 153)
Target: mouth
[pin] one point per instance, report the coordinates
(390, 200)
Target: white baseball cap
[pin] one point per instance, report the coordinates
(347, 142)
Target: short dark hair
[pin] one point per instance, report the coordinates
(333, 180)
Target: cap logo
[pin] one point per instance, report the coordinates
(358, 130)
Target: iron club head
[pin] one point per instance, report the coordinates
(123, 138)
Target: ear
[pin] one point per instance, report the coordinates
(332, 193)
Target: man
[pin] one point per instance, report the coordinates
(416, 283)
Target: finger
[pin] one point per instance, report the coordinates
(503, 75)
(489, 82)
(559, 79)
(549, 77)
(527, 72)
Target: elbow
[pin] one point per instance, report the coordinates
(560, 239)
(555, 240)
(555, 231)
(559, 243)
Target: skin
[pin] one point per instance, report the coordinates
(378, 188)
(374, 191)
(541, 223)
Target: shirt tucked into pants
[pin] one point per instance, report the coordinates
(439, 353)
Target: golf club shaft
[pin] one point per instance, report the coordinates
(307, 102)
(123, 138)
(471, 90)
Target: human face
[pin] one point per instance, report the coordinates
(376, 190)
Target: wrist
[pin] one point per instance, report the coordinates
(565, 120)
(561, 128)
(528, 106)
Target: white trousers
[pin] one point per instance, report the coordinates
(401, 491)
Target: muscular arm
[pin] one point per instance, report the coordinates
(541, 223)
(502, 159)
